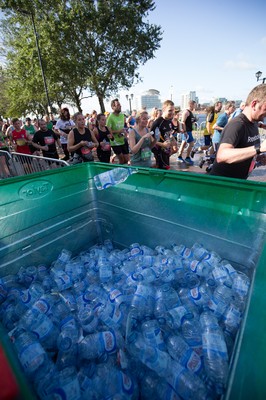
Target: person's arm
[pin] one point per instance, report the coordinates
(94, 140)
(183, 121)
(219, 124)
(228, 154)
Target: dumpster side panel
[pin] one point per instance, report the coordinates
(46, 212)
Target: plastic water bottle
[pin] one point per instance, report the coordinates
(105, 269)
(241, 284)
(198, 251)
(176, 316)
(97, 344)
(180, 351)
(152, 334)
(214, 352)
(88, 319)
(186, 384)
(191, 331)
(68, 337)
(45, 330)
(31, 354)
(154, 387)
(67, 385)
(158, 361)
(220, 299)
(112, 177)
(143, 301)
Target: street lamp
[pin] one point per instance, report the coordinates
(130, 98)
(258, 75)
(29, 13)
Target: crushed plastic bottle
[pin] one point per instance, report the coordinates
(112, 177)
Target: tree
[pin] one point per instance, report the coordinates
(87, 45)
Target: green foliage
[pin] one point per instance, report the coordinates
(85, 45)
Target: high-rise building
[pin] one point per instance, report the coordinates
(148, 100)
(185, 98)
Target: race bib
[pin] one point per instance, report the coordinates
(145, 154)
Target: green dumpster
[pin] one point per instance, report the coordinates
(43, 213)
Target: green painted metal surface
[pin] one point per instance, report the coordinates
(45, 212)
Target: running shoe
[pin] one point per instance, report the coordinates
(189, 161)
(179, 159)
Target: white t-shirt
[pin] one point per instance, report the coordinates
(65, 126)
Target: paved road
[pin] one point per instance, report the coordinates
(258, 174)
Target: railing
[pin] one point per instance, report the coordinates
(17, 164)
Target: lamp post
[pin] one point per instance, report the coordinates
(130, 98)
(258, 75)
(29, 13)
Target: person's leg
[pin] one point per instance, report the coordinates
(181, 149)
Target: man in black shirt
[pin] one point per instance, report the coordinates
(162, 128)
(45, 140)
(240, 142)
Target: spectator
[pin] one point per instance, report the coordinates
(63, 126)
(81, 140)
(115, 123)
(240, 143)
(187, 120)
(141, 141)
(45, 139)
(103, 137)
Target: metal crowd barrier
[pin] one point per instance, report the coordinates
(17, 164)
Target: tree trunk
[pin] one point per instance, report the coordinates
(100, 98)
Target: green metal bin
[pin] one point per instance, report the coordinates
(46, 212)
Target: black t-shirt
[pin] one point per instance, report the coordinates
(240, 133)
(165, 126)
(46, 138)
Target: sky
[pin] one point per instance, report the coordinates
(211, 47)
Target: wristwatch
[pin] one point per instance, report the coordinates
(257, 148)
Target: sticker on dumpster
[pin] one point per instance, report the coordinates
(35, 190)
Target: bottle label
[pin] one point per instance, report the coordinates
(195, 294)
(42, 305)
(114, 294)
(43, 329)
(194, 363)
(127, 384)
(193, 265)
(109, 341)
(29, 354)
(186, 253)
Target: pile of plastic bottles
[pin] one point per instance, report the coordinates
(126, 324)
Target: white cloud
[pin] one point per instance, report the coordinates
(239, 64)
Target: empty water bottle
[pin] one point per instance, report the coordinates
(152, 334)
(180, 351)
(30, 352)
(186, 384)
(112, 177)
(214, 352)
(100, 343)
(191, 331)
(158, 361)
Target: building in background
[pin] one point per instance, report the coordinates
(186, 97)
(148, 100)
